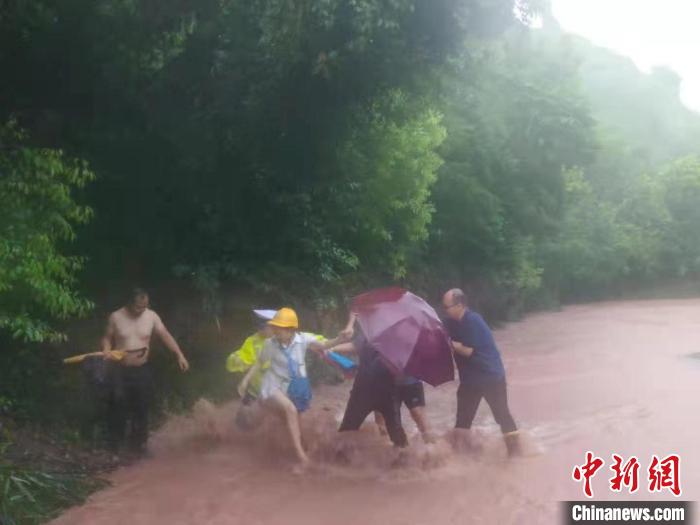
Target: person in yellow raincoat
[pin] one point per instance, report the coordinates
(246, 356)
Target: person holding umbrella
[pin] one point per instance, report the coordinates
(481, 371)
(409, 391)
(373, 390)
(398, 335)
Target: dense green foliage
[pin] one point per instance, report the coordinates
(37, 215)
(304, 150)
(307, 149)
(299, 151)
(317, 147)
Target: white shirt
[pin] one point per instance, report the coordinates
(277, 377)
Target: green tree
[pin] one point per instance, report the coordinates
(38, 215)
(681, 186)
(378, 204)
(516, 119)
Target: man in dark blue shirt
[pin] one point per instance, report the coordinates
(481, 372)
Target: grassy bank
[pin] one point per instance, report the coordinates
(41, 476)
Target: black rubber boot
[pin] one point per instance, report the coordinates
(513, 445)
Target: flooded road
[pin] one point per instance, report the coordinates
(609, 378)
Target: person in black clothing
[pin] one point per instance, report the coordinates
(374, 389)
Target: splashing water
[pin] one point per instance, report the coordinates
(610, 377)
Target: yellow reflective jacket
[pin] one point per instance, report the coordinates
(246, 356)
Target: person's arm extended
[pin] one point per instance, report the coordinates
(243, 385)
(348, 331)
(344, 348)
(169, 341)
(321, 347)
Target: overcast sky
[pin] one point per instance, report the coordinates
(650, 32)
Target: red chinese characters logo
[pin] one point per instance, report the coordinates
(663, 474)
(627, 475)
(587, 471)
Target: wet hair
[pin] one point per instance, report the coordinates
(459, 297)
(135, 293)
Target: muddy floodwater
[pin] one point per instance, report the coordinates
(617, 377)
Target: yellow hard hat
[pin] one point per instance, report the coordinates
(285, 318)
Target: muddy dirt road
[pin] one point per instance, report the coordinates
(610, 378)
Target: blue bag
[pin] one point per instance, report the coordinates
(299, 390)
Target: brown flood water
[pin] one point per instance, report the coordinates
(610, 378)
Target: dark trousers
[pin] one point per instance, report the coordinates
(96, 395)
(496, 395)
(129, 399)
(379, 395)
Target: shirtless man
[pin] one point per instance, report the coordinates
(130, 329)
